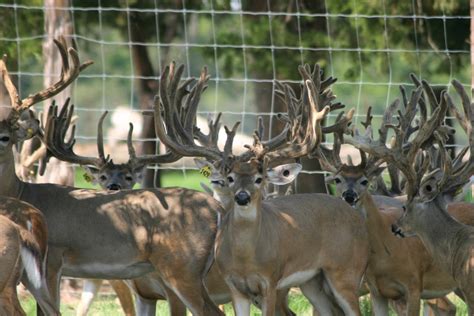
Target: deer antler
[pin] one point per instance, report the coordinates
(70, 70)
(55, 133)
(456, 172)
(135, 160)
(305, 117)
(397, 154)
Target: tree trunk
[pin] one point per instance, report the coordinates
(146, 91)
(305, 183)
(57, 23)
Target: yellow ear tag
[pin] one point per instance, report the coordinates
(87, 177)
(29, 132)
(205, 171)
(458, 191)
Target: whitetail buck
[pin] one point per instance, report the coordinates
(112, 235)
(113, 173)
(150, 288)
(398, 270)
(265, 247)
(450, 242)
(23, 244)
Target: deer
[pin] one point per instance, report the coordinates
(449, 241)
(398, 270)
(23, 244)
(150, 288)
(118, 175)
(140, 231)
(266, 246)
(109, 176)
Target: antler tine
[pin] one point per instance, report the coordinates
(192, 101)
(212, 138)
(260, 127)
(100, 138)
(368, 118)
(131, 149)
(55, 132)
(135, 160)
(166, 130)
(69, 73)
(7, 81)
(459, 172)
(227, 156)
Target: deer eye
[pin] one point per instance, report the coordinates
(218, 182)
(258, 180)
(364, 182)
(230, 179)
(128, 178)
(103, 178)
(5, 139)
(337, 180)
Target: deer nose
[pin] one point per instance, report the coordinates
(397, 231)
(114, 187)
(350, 196)
(242, 198)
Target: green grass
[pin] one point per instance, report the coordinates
(170, 178)
(107, 305)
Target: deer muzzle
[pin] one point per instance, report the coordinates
(397, 231)
(350, 196)
(242, 198)
(114, 187)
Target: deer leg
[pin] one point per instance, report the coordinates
(344, 287)
(89, 292)
(282, 308)
(379, 304)
(194, 295)
(124, 295)
(240, 302)
(144, 306)
(314, 292)
(269, 302)
(42, 296)
(413, 302)
(177, 307)
(53, 277)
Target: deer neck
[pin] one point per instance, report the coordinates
(226, 200)
(245, 229)
(379, 234)
(442, 235)
(10, 184)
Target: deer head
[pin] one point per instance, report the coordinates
(100, 170)
(21, 123)
(426, 189)
(351, 181)
(241, 178)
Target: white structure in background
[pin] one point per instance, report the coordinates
(120, 118)
(239, 141)
(118, 131)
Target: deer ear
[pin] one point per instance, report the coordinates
(91, 174)
(283, 174)
(138, 173)
(28, 126)
(429, 189)
(329, 179)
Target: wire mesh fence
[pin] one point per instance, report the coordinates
(370, 46)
